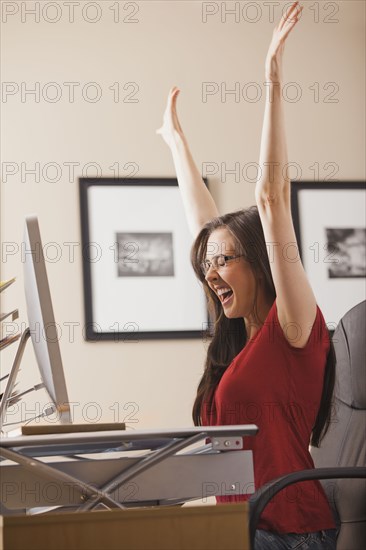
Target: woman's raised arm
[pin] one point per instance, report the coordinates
(296, 303)
(198, 203)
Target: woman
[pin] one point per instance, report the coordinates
(270, 361)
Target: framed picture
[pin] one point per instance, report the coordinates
(329, 220)
(138, 279)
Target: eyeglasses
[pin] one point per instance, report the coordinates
(217, 262)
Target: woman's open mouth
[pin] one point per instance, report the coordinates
(227, 298)
(225, 295)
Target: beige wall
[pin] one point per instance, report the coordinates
(167, 44)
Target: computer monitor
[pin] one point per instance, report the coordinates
(42, 325)
(42, 330)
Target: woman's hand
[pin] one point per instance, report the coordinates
(171, 130)
(198, 204)
(273, 65)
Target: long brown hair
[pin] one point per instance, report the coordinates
(229, 336)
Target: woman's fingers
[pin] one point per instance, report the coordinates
(288, 16)
(172, 97)
(170, 115)
(174, 110)
(287, 23)
(173, 104)
(175, 93)
(290, 24)
(273, 64)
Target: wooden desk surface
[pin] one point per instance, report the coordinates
(222, 527)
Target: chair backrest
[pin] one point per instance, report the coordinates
(345, 441)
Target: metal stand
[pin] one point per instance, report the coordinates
(13, 375)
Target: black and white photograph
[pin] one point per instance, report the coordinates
(347, 249)
(145, 254)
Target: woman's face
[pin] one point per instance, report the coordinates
(234, 283)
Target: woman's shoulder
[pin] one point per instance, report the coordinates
(317, 334)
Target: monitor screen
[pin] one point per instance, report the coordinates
(41, 319)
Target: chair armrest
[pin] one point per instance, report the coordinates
(259, 500)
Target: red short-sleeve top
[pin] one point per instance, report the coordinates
(278, 387)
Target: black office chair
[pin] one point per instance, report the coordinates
(342, 454)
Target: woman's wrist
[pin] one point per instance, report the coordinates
(273, 70)
(273, 83)
(273, 89)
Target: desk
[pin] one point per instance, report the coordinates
(221, 527)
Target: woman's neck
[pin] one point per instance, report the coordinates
(256, 321)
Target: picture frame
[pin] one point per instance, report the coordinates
(329, 221)
(138, 279)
